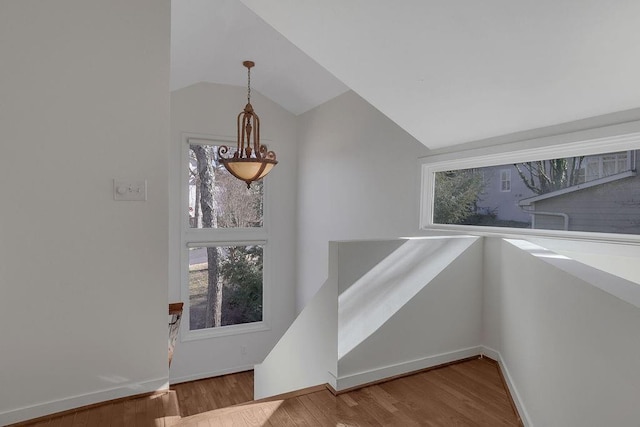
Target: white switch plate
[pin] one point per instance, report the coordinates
(129, 190)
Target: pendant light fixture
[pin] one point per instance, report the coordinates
(251, 161)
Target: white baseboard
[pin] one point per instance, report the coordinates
(354, 380)
(71, 402)
(490, 353)
(210, 374)
(517, 400)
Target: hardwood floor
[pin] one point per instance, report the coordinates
(470, 393)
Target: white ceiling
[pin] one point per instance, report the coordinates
(448, 72)
(211, 38)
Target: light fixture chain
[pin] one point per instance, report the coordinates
(248, 85)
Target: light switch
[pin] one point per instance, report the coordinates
(129, 190)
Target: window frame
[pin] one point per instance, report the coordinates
(582, 143)
(207, 237)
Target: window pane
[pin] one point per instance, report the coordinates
(505, 180)
(559, 194)
(225, 286)
(216, 198)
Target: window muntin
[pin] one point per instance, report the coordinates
(595, 193)
(596, 167)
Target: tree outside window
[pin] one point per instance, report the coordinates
(225, 280)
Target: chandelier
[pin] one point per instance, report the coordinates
(251, 161)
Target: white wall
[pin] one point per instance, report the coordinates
(84, 99)
(307, 354)
(419, 307)
(431, 293)
(570, 348)
(616, 258)
(211, 109)
(358, 179)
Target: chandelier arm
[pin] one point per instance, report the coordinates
(256, 136)
(240, 139)
(257, 175)
(247, 135)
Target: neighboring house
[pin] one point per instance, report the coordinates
(608, 178)
(607, 200)
(503, 188)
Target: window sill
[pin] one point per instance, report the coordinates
(527, 232)
(222, 331)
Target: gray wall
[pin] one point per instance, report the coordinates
(358, 179)
(85, 100)
(570, 348)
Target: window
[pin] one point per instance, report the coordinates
(225, 243)
(216, 198)
(592, 190)
(232, 272)
(505, 180)
(596, 167)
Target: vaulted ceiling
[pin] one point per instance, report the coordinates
(448, 72)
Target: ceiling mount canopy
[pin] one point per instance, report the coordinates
(251, 161)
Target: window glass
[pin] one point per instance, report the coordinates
(216, 198)
(225, 285)
(597, 193)
(224, 240)
(505, 180)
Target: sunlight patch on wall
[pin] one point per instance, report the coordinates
(367, 304)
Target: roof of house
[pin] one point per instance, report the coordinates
(530, 200)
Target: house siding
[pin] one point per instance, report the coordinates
(613, 207)
(503, 204)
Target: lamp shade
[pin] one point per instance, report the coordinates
(249, 170)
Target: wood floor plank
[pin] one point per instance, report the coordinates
(280, 417)
(62, 421)
(42, 423)
(491, 403)
(352, 415)
(80, 419)
(100, 416)
(463, 404)
(419, 407)
(129, 413)
(141, 414)
(474, 414)
(170, 408)
(470, 386)
(326, 417)
(471, 393)
(369, 405)
(252, 417)
(298, 413)
(117, 414)
(383, 398)
(486, 375)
